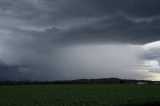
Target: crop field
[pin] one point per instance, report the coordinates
(79, 95)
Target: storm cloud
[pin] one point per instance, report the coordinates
(70, 39)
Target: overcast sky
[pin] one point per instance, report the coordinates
(74, 39)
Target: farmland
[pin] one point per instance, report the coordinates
(79, 95)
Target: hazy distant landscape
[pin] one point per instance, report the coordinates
(83, 81)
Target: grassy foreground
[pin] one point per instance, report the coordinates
(80, 95)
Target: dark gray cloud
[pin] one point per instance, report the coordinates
(10, 72)
(38, 33)
(131, 21)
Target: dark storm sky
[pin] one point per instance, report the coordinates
(39, 39)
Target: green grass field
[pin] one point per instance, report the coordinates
(79, 95)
